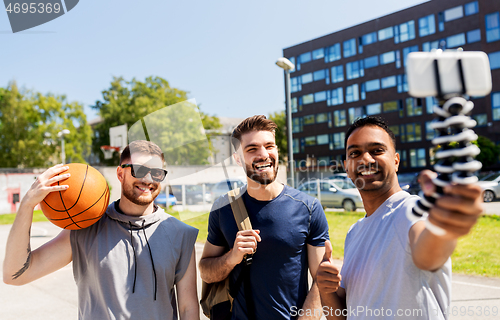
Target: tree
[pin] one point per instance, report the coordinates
(29, 123)
(155, 111)
(489, 151)
(279, 117)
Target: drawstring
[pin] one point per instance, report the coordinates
(135, 257)
(151, 255)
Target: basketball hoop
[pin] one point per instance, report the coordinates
(108, 151)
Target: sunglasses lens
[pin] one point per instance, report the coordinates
(139, 171)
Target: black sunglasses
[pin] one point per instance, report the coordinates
(139, 172)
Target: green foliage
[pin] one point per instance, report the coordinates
(153, 110)
(489, 151)
(279, 117)
(29, 123)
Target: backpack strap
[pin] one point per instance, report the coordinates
(243, 221)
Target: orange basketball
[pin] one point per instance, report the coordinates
(83, 203)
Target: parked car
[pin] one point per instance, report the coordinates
(161, 200)
(194, 193)
(339, 176)
(334, 193)
(409, 182)
(224, 186)
(491, 186)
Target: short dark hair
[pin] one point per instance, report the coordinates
(255, 123)
(141, 146)
(370, 121)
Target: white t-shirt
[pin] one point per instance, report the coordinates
(378, 274)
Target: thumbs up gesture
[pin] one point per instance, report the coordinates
(328, 275)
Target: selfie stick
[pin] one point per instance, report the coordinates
(455, 155)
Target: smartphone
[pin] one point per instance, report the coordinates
(421, 73)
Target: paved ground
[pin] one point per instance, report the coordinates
(55, 297)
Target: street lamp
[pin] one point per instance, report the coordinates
(286, 65)
(61, 135)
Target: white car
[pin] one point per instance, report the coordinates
(334, 193)
(491, 186)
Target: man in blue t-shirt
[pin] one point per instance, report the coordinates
(289, 231)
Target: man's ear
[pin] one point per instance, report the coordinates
(397, 161)
(120, 173)
(237, 158)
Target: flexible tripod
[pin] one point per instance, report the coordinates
(455, 155)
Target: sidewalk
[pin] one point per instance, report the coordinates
(55, 296)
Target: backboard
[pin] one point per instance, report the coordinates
(118, 136)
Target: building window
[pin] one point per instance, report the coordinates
(356, 113)
(390, 106)
(354, 69)
(413, 108)
(296, 146)
(395, 130)
(292, 60)
(494, 60)
(350, 48)
(320, 96)
(492, 27)
(296, 84)
(363, 92)
(371, 62)
(495, 105)
(441, 21)
(402, 83)
(322, 117)
(429, 132)
(337, 74)
(318, 54)
(352, 93)
(309, 119)
(405, 32)
(310, 141)
(428, 46)
(333, 53)
(388, 82)
(386, 33)
(374, 108)
(297, 125)
(294, 104)
(453, 13)
(474, 36)
(411, 132)
(430, 102)
(372, 85)
(426, 26)
(406, 51)
(336, 97)
(338, 141)
(308, 98)
(322, 139)
(339, 118)
(307, 78)
(455, 40)
(305, 57)
(404, 161)
(417, 158)
(367, 39)
(471, 8)
(320, 75)
(398, 59)
(387, 57)
(481, 119)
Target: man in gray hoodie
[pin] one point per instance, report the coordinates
(127, 265)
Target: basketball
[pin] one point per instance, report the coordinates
(83, 203)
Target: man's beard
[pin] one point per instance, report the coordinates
(262, 178)
(141, 201)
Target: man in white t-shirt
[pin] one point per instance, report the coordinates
(393, 267)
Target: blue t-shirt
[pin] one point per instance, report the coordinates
(278, 273)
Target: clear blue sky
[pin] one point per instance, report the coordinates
(222, 52)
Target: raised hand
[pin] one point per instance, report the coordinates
(44, 184)
(328, 275)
